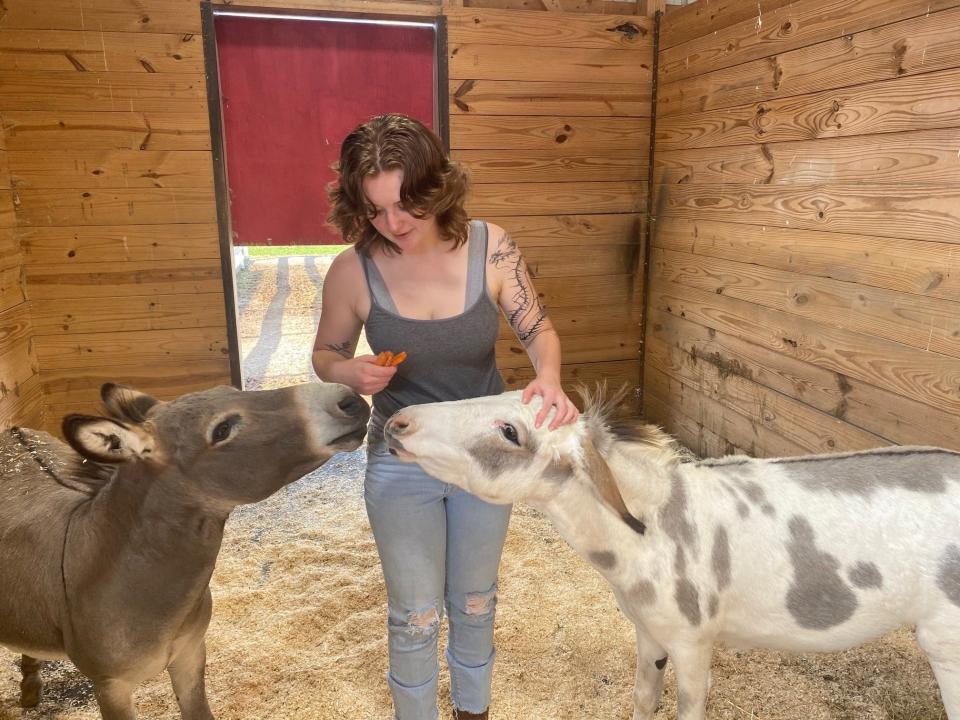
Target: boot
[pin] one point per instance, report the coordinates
(464, 715)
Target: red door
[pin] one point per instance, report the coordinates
(291, 90)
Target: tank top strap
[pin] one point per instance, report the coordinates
(476, 262)
(378, 288)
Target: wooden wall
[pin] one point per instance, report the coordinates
(805, 266)
(550, 114)
(105, 115)
(110, 214)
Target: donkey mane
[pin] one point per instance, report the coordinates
(607, 423)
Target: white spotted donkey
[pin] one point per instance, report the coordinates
(816, 553)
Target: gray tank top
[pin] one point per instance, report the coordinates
(447, 359)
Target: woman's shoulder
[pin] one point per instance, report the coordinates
(346, 268)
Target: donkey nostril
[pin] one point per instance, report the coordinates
(352, 405)
(398, 426)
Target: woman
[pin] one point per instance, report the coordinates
(424, 280)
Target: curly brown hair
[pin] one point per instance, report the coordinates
(433, 184)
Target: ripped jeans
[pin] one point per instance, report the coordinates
(436, 543)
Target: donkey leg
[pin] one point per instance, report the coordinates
(648, 685)
(691, 665)
(32, 684)
(187, 677)
(115, 698)
(940, 640)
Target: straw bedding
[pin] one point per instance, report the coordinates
(299, 629)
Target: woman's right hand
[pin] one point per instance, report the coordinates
(363, 374)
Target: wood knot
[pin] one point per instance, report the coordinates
(629, 30)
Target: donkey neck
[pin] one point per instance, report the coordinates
(144, 540)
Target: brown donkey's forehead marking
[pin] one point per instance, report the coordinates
(865, 575)
(818, 598)
(948, 577)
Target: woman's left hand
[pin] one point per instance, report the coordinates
(553, 396)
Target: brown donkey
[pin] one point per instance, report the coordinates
(107, 549)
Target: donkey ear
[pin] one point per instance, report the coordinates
(125, 403)
(101, 439)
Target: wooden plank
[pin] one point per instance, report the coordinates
(509, 97)
(702, 18)
(26, 130)
(786, 28)
(518, 27)
(97, 280)
(5, 182)
(71, 51)
(118, 243)
(931, 324)
(733, 428)
(898, 419)
(799, 423)
(907, 266)
(925, 156)
(927, 377)
(606, 7)
(19, 379)
(12, 291)
(581, 231)
(68, 388)
(9, 204)
(168, 16)
(589, 320)
(623, 345)
(111, 169)
(142, 206)
(581, 291)
(571, 260)
(509, 62)
(918, 211)
(94, 351)
(136, 313)
(630, 135)
(553, 198)
(103, 91)
(925, 102)
(615, 373)
(500, 166)
(911, 47)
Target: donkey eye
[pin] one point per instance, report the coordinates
(223, 430)
(510, 433)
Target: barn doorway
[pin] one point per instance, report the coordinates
(286, 88)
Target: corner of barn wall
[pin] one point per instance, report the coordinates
(108, 149)
(805, 272)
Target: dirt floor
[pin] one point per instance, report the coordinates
(299, 630)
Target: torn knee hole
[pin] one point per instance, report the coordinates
(424, 621)
(480, 603)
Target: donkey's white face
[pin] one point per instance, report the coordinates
(488, 446)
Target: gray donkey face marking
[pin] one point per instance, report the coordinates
(644, 592)
(495, 461)
(818, 598)
(948, 577)
(603, 559)
(865, 575)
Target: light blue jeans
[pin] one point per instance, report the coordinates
(440, 549)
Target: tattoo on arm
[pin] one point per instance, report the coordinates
(343, 348)
(527, 316)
